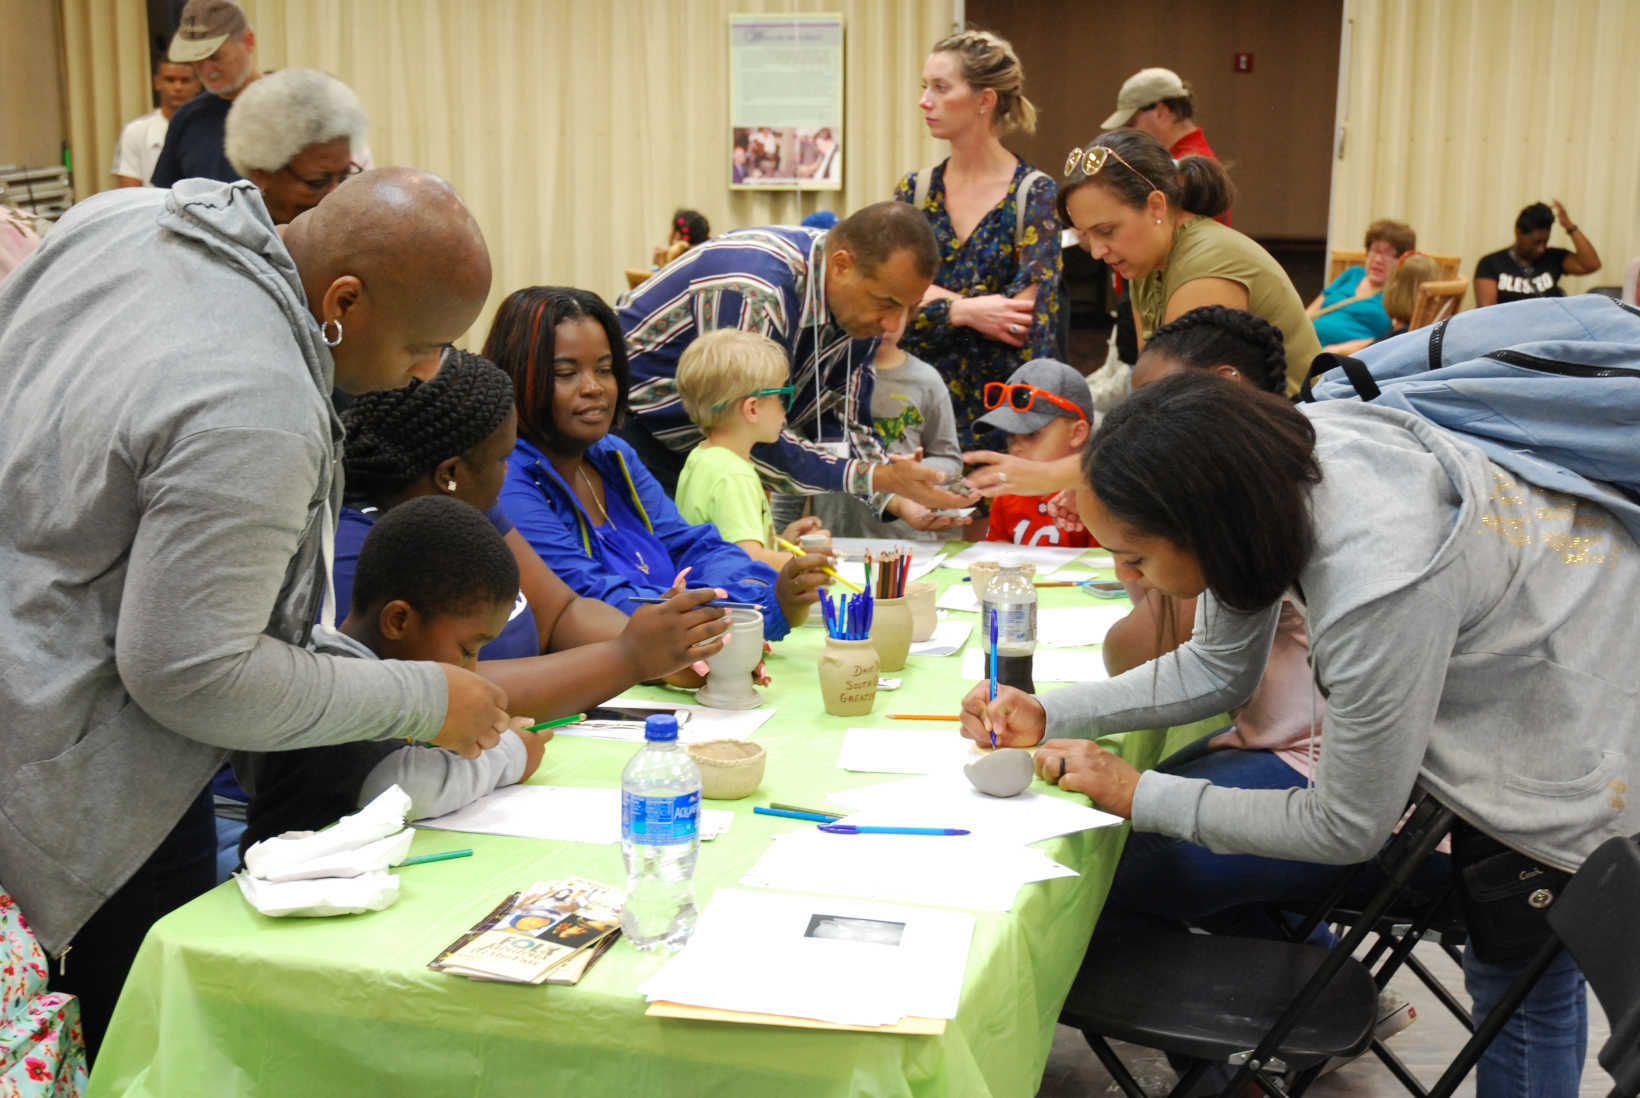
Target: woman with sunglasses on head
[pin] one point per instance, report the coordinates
(995, 302)
(297, 134)
(579, 495)
(1472, 633)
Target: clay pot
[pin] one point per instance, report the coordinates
(729, 686)
(729, 769)
(848, 677)
(891, 632)
(980, 574)
(919, 595)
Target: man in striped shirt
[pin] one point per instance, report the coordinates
(825, 297)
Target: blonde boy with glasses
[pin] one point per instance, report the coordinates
(735, 385)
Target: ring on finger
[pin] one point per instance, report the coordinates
(1061, 774)
(1002, 477)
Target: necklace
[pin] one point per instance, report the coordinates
(592, 493)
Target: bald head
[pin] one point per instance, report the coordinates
(393, 257)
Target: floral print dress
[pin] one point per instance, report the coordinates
(42, 1052)
(990, 261)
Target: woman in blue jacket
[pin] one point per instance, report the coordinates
(580, 496)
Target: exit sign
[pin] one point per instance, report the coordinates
(1244, 62)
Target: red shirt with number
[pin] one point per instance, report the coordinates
(1024, 520)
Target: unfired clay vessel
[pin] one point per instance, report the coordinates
(891, 632)
(848, 677)
(919, 595)
(1006, 772)
(729, 686)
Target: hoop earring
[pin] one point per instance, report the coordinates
(324, 333)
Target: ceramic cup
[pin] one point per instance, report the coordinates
(729, 686)
(814, 543)
(919, 595)
(848, 677)
(891, 632)
(980, 574)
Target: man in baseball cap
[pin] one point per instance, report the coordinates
(1046, 411)
(216, 39)
(1159, 103)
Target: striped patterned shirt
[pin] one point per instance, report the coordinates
(770, 281)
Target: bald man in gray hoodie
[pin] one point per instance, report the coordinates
(171, 462)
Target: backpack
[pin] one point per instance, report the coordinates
(925, 176)
(1549, 388)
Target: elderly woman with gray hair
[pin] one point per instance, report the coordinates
(296, 134)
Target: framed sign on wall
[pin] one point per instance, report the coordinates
(786, 101)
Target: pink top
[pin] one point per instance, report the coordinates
(1285, 707)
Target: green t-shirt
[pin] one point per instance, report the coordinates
(721, 487)
(1203, 248)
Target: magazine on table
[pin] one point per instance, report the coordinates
(551, 932)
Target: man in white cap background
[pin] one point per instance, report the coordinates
(1159, 103)
(216, 39)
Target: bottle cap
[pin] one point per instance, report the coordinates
(660, 727)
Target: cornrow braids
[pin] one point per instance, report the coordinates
(1217, 335)
(398, 436)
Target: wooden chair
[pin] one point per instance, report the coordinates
(1342, 259)
(637, 276)
(1437, 301)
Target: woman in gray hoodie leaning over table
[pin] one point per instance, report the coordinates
(1472, 633)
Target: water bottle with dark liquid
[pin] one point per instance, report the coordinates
(1012, 597)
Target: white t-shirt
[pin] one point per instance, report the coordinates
(138, 149)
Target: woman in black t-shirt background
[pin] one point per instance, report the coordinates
(1531, 268)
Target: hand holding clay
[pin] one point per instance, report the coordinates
(1017, 716)
(1004, 773)
(663, 638)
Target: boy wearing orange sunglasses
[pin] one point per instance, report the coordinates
(1046, 411)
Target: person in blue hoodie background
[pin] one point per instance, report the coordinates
(580, 496)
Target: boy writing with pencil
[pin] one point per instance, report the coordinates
(435, 582)
(735, 386)
(1046, 411)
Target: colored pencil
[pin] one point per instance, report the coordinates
(797, 551)
(810, 811)
(422, 859)
(815, 816)
(656, 600)
(922, 717)
(574, 718)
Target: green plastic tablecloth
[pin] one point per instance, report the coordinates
(223, 1001)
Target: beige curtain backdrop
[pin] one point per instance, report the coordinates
(572, 129)
(1457, 113)
(106, 70)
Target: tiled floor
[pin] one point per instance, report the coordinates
(1426, 1046)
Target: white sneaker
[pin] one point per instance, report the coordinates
(1395, 1013)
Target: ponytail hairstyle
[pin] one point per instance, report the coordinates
(988, 61)
(397, 436)
(1194, 184)
(691, 226)
(1217, 335)
(1412, 270)
(1218, 469)
(522, 340)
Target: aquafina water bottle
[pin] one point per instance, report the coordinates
(660, 836)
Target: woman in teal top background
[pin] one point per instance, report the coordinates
(1350, 314)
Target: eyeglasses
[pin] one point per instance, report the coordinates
(1091, 159)
(1021, 397)
(323, 183)
(784, 392)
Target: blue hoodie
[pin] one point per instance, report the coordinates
(552, 520)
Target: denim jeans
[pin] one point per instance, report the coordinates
(1540, 1052)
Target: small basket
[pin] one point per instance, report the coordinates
(729, 769)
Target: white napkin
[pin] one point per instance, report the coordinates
(289, 856)
(327, 896)
(369, 858)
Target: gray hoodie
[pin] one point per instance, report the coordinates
(1473, 634)
(169, 456)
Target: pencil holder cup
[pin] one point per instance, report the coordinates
(891, 632)
(980, 574)
(729, 686)
(848, 676)
(919, 595)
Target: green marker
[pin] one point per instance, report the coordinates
(421, 859)
(576, 718)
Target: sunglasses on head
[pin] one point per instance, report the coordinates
(784, 392)
(1021, 397)
(1092, 159)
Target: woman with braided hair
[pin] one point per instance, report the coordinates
(1232, 343)
(687, 228)
(452, 435)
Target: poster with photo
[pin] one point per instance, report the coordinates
(786, 101)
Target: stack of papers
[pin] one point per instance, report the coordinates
(1047, 558)
(566, 813)
(1047, 665)
(843, 961)
(947, 800)
(549, 933)
(943, 871)
(948, 637)
(904, 750)
(704, 723)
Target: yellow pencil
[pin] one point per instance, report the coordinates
(797, 552)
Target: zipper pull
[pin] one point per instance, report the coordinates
(62, 960)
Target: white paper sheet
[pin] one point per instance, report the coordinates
(1047, 558)
(704, 723)
(958, 596)
(904, 750)
(947, 800)
(835, 959)
(949, 636)
(1075, 626)
(942, 871)
(1047, 665)
(573, 814)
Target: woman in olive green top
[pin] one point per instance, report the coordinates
(1151, 220)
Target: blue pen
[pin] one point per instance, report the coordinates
(855, 829)
(993, 670)
(790, 815)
